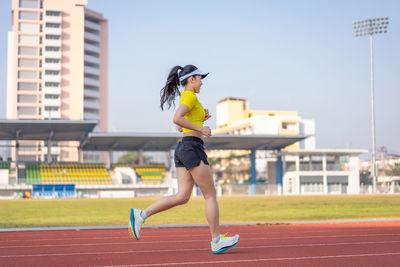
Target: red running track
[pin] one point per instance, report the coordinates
(346, 244)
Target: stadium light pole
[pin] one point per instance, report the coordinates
(371, 27)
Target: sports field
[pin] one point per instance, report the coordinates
(240, 209)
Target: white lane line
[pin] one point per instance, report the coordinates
(260, 260)
(95, 236)
(193, 240)
(200, 249)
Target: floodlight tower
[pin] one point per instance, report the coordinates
(371, 27)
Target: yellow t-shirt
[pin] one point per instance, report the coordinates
(196, 112)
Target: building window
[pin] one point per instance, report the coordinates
(51, 84)
(52, 72)
(28, 39)
(27, 63)
(29, 27)
(26, 99)
(52, 25)
(52, 48)
(93, 54)
(96, 66)
(28, 15)
(29, 3)
(51, 96)
(51, 108)
(87, 41)
(53, 13)
(52, 60)
(92, 88)
(27, 51)
(27, 74)
(92, 76)
(23, 86)
(53, 37)
(26, 110)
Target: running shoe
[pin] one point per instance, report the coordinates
(224, 243)
(135, 223)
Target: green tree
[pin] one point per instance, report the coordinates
(396, 169)
(365, 177)
(131, 158)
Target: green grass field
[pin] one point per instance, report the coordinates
(255, 209)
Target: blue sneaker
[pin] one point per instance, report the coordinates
(135, 223)
(224, 243)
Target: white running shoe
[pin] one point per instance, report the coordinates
(135, 223)
(224, 243)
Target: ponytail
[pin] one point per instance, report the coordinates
(170, 90)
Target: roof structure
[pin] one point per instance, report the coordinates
(167, 141)
(56, 130)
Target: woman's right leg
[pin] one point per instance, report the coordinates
(185, 187)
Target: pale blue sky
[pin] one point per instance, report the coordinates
(280, 55)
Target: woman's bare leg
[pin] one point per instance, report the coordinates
(185, 187)
(202, 175)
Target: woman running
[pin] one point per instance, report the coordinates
(190, 158)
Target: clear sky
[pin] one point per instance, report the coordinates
(280, 55)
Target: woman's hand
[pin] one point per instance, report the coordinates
(207, 116)
(180, 129)
(206, 131)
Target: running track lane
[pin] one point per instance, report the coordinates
(346, 244)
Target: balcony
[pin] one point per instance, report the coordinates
(92, 59)
(48, 30)
(52, 102)
(52, 90)
(92, 48)
(52, 78)
(92, 25)
(52, 42)
(92, 93)
(91, 116)
(92, 82)
(52, 66)
(92, 36)
(90, 70)
(53, 19)
(51, 114)
(52, 54)
(91, 104)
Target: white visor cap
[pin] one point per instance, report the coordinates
(193, 73)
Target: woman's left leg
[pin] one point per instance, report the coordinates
(202, 175)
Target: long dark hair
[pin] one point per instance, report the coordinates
(170, 90)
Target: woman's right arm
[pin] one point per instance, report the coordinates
(179, 119)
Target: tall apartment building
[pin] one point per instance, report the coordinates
(57, 69)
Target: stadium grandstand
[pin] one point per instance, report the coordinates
(151, 173)
(53, 178)
(67, 173)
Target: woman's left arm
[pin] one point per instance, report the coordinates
(207, 116)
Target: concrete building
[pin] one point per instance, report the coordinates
(57, 69)
(299, 168)
(234, 117)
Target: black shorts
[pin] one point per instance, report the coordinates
(190, 152)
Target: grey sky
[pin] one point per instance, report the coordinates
(280, 55)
